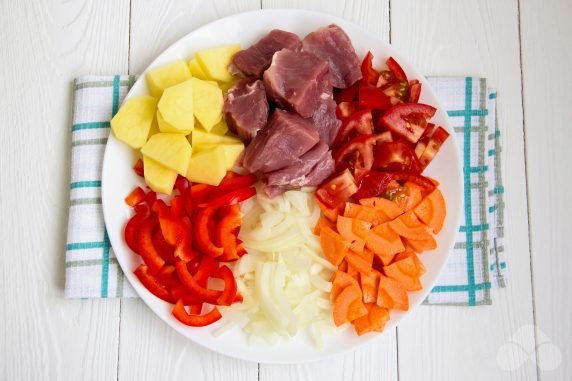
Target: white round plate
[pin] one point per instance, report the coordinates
(119, 179)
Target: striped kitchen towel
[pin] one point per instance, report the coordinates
(475, 266)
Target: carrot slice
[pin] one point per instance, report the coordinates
(322, 223)
(375, 319)
(343, 266)
(421, 245)
(354, 231)
(384, 243)
(391, 294)
(352, 271)
(334, 247)
(366, 213)
(409, 226)
(412, 198)
(359, 263)
(419, 267)
(369, 285)
(330, 213)
(389, 208)
(351, 210)
(340, 281)
(432, 210)
(405, 272)
(344, 307)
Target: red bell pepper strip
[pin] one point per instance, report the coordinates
(396, 69)
(230, 198)
(371, 97)
(181, 292)
(337, 190)
(360, 121)
(147, 250)
(363, 145)
(396, 156)
(408, 120)
(200, 192)
(153, 284)
(136, 196)
(168, 277)
(368, 73)
(177, 207)
(375, 184)
(138, 168)
(233, 182)
(205, 270)
(150, 199)
(349, 94)
(165, 250)
(202, 235)
(195, 309)
(433, 146)
(205, 294)
(132, 227)
(225, 234)
(230, 287)
(182, 184)
(192, 320)
(414, 91)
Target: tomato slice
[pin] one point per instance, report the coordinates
(397, 91)
(396, 156)
(337, 190)
(371, 97)
(193, 320)
(396, 69)
(433, 146)
(408, 120)
(369, 74)
(360, 121)
(363, 145)
(414, 91)
(349, 94)
(375, 183)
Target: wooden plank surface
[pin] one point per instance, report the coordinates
(377, 361)
(44, 46)
(449, 37)
(547, 63)
(159, 351)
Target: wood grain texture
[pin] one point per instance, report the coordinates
(547, 60)
(159, 351)
(449, 37)
(377, 361)
(45, 44)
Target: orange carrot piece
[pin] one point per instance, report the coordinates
(353, 231)
(351, 210)
(362, 325)
(421, 245)
(419, 267)
(374, 321)
(330, 213)
(340, 281)
(333, 246)
(343, 266)
(389, 208)
(402, 272)
(352, 271)
(322, 223)
(392, 294)
(344, 304)
(369, 285)
(357, 309)
(432, 210)
(384, 243)
(409, 226)
(359, 263)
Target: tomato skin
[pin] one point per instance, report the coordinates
(368, 73)
(433, 146)
(375, 183)
(408, 120)
(362, 144)
(396, 69)
(360, 121)
(371, 97)
(414, 91)
(396, 156)
(337, 190)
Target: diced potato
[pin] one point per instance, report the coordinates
(225, 86)
(207, 103)
(158, 177)
(199, 137)
(176, 106)
(208, 166)
(132, 123)
(154, 128)
(214, 61)
(166, 127)
(196, 69)
(169, 149)
(220, 128)
(166, 76)
(231, 152)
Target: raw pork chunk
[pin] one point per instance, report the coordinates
(325, 118)
(246, 109)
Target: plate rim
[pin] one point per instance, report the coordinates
(145, 295)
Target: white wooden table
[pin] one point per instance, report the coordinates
(522, 47)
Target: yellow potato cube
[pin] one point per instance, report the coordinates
(199, 137)
(208, 166)
(169, 149)
(166, 127)
(176, 106)
(214, 61)
(158, 177)
(231, 152)
(133, 121)
(225, 86)
(165, 76)
(221, 128)
(196, 70)
(207, 103)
